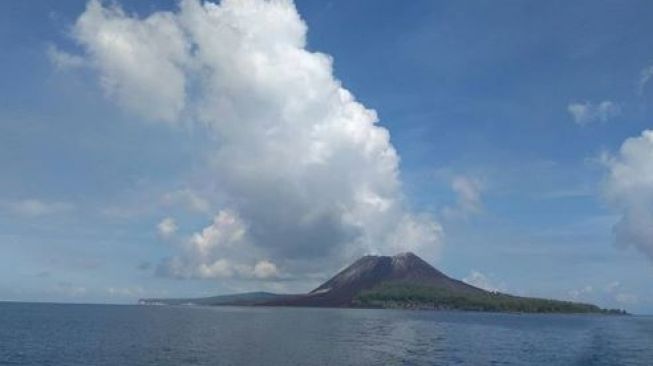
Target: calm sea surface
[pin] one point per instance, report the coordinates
(63, 335)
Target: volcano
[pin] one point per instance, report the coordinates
(371, 271)
(402, 281)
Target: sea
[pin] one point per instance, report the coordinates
(123, 335)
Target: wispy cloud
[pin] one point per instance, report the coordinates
(63, 60)
(480, 280)
(468, 197)
(581, 293)
(645, 76)
(611, 293)
(35, 207)
(586, 113)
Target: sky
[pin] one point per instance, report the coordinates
(166, 148)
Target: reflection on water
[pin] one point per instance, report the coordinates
(40, 334)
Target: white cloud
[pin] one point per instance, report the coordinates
(167, 227)
(265, 269)
(220, 250)
(468, 191)
(220, 268)
(227, 231)
(139, 61)
(223, 268)
(586, 113)
(301, 164)
(480, 280)
(628, 188)
(35, 207)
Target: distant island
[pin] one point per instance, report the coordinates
(403, 281)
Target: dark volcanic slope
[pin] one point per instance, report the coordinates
(370, 271)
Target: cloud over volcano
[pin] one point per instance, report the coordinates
(303, 170)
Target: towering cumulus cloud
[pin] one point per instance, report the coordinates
(629, 188)
(306, 172)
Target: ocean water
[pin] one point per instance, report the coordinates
(66, 335)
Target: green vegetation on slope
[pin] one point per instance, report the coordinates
(405, 295)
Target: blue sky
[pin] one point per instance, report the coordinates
(508, 119)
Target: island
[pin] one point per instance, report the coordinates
(403, 281)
